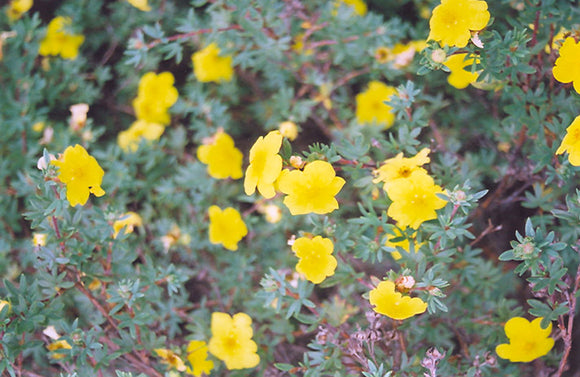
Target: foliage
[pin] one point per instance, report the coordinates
(81, 297)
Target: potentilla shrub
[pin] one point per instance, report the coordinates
(286, 187)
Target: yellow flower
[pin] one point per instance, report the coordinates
(197, 357)
(58, 345)
(323, 96)
(265, 165)
(209, 66)
(39, 239)
(453, 20)
(231, 340)
(557, 41)
(38, 126)
(393, 304)
(359, 6)
(311, 190)
(226, 227)
(222, 158)
(127, 221)
(129, 139)
(17, 8)
(316, 262)
(401, 167)
(370, 106)
(58, 42)
(170, 358)
(414, 199)
(459, 77)
(298, 45)
(140, 4)
(81, 174)
(404, 243)
(571, 142)
(155, 96)
(527, 340)
(289, 130)
(567, 66)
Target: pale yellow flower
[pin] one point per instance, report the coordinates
(140, 4)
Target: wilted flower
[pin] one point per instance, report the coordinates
(370, 106)
(58, 42)
(209, 66)
(231, 340)
(78, 116)
(222, 158)
(170, 358)
(265, 165)
(316, 261)
(81, 174)
(393, 304)
(453, 21)
(226, 227)
(39, 239)
(527, 340)
(311, 190)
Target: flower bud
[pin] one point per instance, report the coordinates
(297, 162)
(404, 283)
(439, 56)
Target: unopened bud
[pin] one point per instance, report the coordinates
(296, 162)
(404, 283)
(439, 56)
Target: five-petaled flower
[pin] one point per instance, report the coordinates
(567, 66)
(128, 222)
(370, 106)
(58, 42)
(459, 77)
(209, 66)
(453, 21)
(81, 174)
(197, 357)
(311, 190)
(414, 199)
(265, 165)
(169, 358)
(571, 142)
(401, 167)
(231, 340)
(222, 158)
(226, 227)
(527, 340)
(393, 304)
(130, 139)
(316, 262)
(156, 94)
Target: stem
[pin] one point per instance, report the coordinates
(567, 336)
(191, 34)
